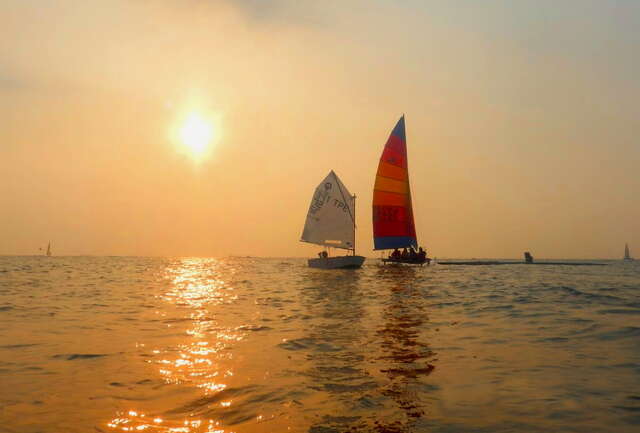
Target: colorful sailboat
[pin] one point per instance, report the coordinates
(627, 255)
(331, 223)
(393, 223)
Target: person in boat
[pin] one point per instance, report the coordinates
(412, 254)
(323, 255)
(405, 253)
(422, 254)
(395, 254)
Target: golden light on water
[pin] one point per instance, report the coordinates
(200, 360)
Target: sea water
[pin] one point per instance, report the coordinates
(115, 344)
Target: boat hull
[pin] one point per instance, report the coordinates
(341, 262)
(418, 262)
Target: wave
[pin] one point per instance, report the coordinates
(75, 356)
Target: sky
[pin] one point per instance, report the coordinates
(522, 123)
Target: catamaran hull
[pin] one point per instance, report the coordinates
(418, 262)
(343, 262)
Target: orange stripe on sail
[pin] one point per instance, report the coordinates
(391, 185)
(392, 171)
(383, 198)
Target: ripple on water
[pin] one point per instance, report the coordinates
(18, 346)
(253, 328)
(620, 333)
(620, 311)
(80, 356)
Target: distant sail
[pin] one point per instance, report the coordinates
(49, 249)
(393, 225)
(330, 219)
(627, 256)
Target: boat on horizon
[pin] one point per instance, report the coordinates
(331, 223)
(627, 256)
(48, 253)
(393, 223)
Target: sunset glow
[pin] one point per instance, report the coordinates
(507, 120)
(196, 135)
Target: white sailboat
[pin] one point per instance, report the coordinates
(627, 256)
(331, 223)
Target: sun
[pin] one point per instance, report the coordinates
(196, 134)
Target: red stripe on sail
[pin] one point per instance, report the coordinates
(393, 221)
(397, 145)
(391, 156)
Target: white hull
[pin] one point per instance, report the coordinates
(342, 262)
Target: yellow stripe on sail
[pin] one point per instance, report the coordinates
(391, 185)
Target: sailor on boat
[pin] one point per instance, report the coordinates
(422, 254)
(408, 256)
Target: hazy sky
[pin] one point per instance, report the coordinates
(522, 123)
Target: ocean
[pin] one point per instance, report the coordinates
(244, 345)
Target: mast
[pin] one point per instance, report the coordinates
(354, 224)
(412, 216)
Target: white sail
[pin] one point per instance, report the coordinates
(330, 218)
(627, 256)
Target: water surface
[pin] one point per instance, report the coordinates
(116, 344)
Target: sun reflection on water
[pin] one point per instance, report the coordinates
(202, 360)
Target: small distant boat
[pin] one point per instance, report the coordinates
(393, 225)
(48, 253)
(627, 256)
(331, 223)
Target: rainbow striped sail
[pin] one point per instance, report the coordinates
(393, 225)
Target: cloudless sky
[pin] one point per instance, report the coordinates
(522, 123)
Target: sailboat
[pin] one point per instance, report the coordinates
(49, 250)
(331, 223)
(627, 256)
(393, 225)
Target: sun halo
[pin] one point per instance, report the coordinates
(195, 135)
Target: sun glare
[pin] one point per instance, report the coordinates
(196, 134)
